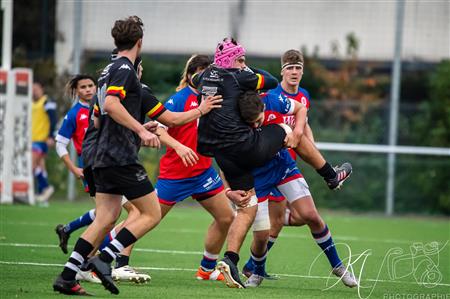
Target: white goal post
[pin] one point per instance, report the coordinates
(16, 178)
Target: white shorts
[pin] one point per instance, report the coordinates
(294, 189)
(262, 220)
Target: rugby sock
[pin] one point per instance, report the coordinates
(209, 261)
(122, 260)
(287, 218)
(41, 179)
(123, 239)
(260, 263)
(108, 238)
(325, 242)
(233, 256)
(83, 220)
(272, 240)
(79, 255)
(327, 171)
(251, 262)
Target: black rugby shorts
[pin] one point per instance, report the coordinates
(238, 161)
(130, 181)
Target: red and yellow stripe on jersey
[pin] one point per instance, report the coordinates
(96, 110)
(260, 83)
(117, 91)
(156, 111)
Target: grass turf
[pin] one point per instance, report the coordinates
(30, 259)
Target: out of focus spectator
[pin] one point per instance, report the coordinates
(43, 123)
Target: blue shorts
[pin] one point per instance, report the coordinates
(200, 187)
(281, 169)
(39, 148)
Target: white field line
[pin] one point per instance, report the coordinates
(193, 270)
(134, 249)
(337, 238)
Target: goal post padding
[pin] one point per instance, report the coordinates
(16, 180)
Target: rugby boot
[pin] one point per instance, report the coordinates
(346, 276)
(254, 281)
(127, 273)
(248, 270)
(230, 273)
(63, 237)
(88, 276)
(69, 287)
(342, 173)
(209, 275)
(103, 272)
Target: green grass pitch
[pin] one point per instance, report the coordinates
(380, 253)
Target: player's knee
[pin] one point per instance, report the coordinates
(277, 221)
(311, 217)
(151, 218)
(225, 220)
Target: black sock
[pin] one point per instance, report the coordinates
(122, 260)
(233, 256)
(123, 239)
(327, 172)
(79, 255)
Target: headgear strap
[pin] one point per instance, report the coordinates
(291, 64)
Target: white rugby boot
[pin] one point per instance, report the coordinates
(346, 276)
(127, 273)
(87, 276)
(254, 281)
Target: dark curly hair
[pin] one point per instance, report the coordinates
(127, 32)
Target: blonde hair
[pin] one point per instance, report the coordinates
(194, 62)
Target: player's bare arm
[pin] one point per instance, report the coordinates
(187, 155)
(172, 119)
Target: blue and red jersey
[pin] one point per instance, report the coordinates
(302, 96)
(75, 125)
(274, 116)
(171, 166)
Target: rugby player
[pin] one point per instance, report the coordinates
(180, 178)
(116, 174)
(238, 148)
(43, 124)
(283, 175)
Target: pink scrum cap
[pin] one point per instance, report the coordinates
(226, 53)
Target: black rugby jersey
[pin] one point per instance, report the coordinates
(116, 144)
(90, 138)
(151, 107)
(224, 127)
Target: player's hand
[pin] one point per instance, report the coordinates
(291, 140)
(187, 155)
(210, 102)
(78, 172)
(151, 126)
(50, 142)
(149, 139)
(239, 197)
